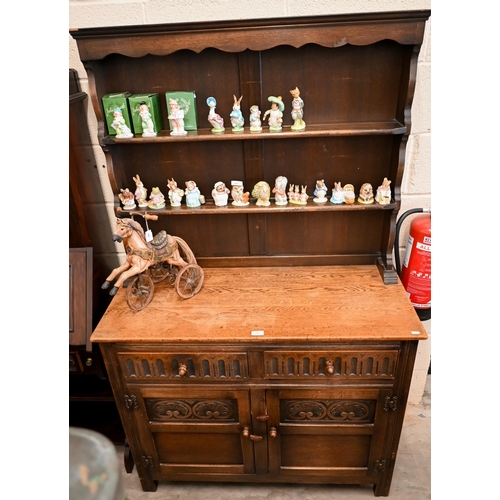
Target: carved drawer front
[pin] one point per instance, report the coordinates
(170, 366)
(321, 365)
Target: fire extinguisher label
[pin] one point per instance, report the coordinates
(409, 246)
(423, 247)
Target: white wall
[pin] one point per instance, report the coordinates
(416, 185)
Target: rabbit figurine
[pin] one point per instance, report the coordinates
(141, 193)
(236, 116)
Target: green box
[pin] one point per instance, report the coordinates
(187, 102)
(112, 101)
(153, 103)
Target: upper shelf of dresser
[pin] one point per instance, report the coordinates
(405, 27)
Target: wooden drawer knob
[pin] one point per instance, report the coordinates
(182, 369)
(329, 368)
(273, 432)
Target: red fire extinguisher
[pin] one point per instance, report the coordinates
(415, 274)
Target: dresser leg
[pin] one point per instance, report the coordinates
(381, 489)
(148, 484)
(128, 459)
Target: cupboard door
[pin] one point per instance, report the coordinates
(195, 430)
(326, 432)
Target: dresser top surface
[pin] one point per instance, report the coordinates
(264, 304)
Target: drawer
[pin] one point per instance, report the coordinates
(335, 364)
(182, 366)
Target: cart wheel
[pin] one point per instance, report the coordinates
(189, 280)
(140, 292)
(160, 271)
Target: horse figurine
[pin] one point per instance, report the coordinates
(140, 253)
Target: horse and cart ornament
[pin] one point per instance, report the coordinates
(151, 260)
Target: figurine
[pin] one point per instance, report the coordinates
(148, 128)
(215, 120)
(262, 191)
(275, 113)
(279, 190)
(141, 193)
(122, 131)
(236, 116)
(383, 196)
(240, 199)
(175, 193)
(255, 123)
(366, 194)
(192, 194)
(177, 117)
(127, 198)
(337, 194)
(297, 110)
(220, 194)
(296, 197)
(349, 196)
(320, 191)
(156, 199)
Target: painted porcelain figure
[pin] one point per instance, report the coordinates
(275, 113)
(279, 190)
(337, 194)
(366, 194)
(148, 127)
(127, 198)
(349, 195)
(297, 197)
(236, 116)
(320, 191)
(175, 193)
(297, 110)
(122, 131)
(141, 193)
(383, 195)
(240, 198)
(262, 191)
(220, 194)
(156, 199)
(192, 194)
(215, 120)
(177, 117)
(255, 123)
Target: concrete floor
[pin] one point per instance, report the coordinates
(411, 479)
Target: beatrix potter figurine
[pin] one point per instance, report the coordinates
(296, 197)
(215, 120)
(262, 191)
(349, 196)
(177, 117)
(236, 116)
(255, 123)
(122, 131)
(337, 194)
(366, 194)
(240, 198)
(156, 199)
(175, 193)
(275, 113)
(220, 194)
(297, 110)
(279, 191)
(320, 191)
(383, 196)
(141, 193)
(127, 198)
(192, 194)
(148, 127)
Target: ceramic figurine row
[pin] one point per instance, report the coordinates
(296, 194)
(141, 112)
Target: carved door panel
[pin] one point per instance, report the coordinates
(191, 431)
(327, 432)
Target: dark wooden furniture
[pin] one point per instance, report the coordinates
(309, 401)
